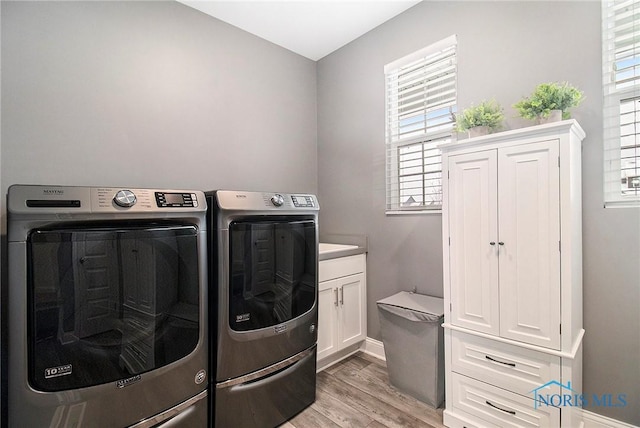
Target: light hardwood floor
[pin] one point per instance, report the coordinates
(356, 393)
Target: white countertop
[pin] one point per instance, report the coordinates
(325, 248)
(330, 251)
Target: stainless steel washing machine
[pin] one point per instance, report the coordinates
(264, 268)
(107, 307)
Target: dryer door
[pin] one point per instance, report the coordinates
(272, 272)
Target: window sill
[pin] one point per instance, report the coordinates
(412, 212)
(622, 204)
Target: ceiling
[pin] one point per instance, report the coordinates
(311, 28)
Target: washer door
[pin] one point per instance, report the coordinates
(108, 303)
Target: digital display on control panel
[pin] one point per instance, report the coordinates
(168, 200)
(173, 198)
(302, 201)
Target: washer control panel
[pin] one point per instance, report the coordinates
(125, 198)
(176, 199)
(105, 199)
(64, 201)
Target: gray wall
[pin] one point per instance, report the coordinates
(151, 94)
(109, 93)
(504, 50)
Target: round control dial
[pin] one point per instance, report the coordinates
(277, 200)
(125, 198)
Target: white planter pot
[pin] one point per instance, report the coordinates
(478, 131)
(554, 116)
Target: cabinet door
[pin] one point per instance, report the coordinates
(352, 321)
(529, 213)
(327, 318)
(473, 260)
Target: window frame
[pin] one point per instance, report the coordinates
(432, 133)
(615, 93)
(432, 140)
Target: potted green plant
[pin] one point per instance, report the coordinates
(549, 102)
(482, 119)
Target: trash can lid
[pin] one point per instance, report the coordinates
(416, 302)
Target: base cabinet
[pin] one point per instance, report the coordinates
(506, 366)
(342, 317)
(498, 407)
(512, 252)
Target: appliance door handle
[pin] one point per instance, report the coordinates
(173, 415)
(272, 373)
(335, 301)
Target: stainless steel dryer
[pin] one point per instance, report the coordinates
(264, 266)
(107, 307)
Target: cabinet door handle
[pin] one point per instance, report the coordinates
(492, 243)
(511, 412)
(341, 296)
(500, 243)
(335, 302)
(500, 362)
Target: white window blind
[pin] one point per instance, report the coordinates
(420, 107)
(621, 84)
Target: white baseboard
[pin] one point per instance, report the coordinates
(594, 420)
(373, 347)
(370, 346)
(327, 362)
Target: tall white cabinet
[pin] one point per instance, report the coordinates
(512, 237)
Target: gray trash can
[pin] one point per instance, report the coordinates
(411, 327)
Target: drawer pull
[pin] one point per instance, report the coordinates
(511, 412)
(500, 362)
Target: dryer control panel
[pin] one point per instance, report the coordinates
(302, 201)
(262, 201)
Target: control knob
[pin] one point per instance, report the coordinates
(277, 200)
(125, 198)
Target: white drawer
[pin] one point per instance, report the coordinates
(510, 367)
(499, 408)
(341, 266)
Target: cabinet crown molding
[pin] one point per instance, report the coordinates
(535, 132)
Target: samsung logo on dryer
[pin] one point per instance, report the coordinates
(53, 192)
